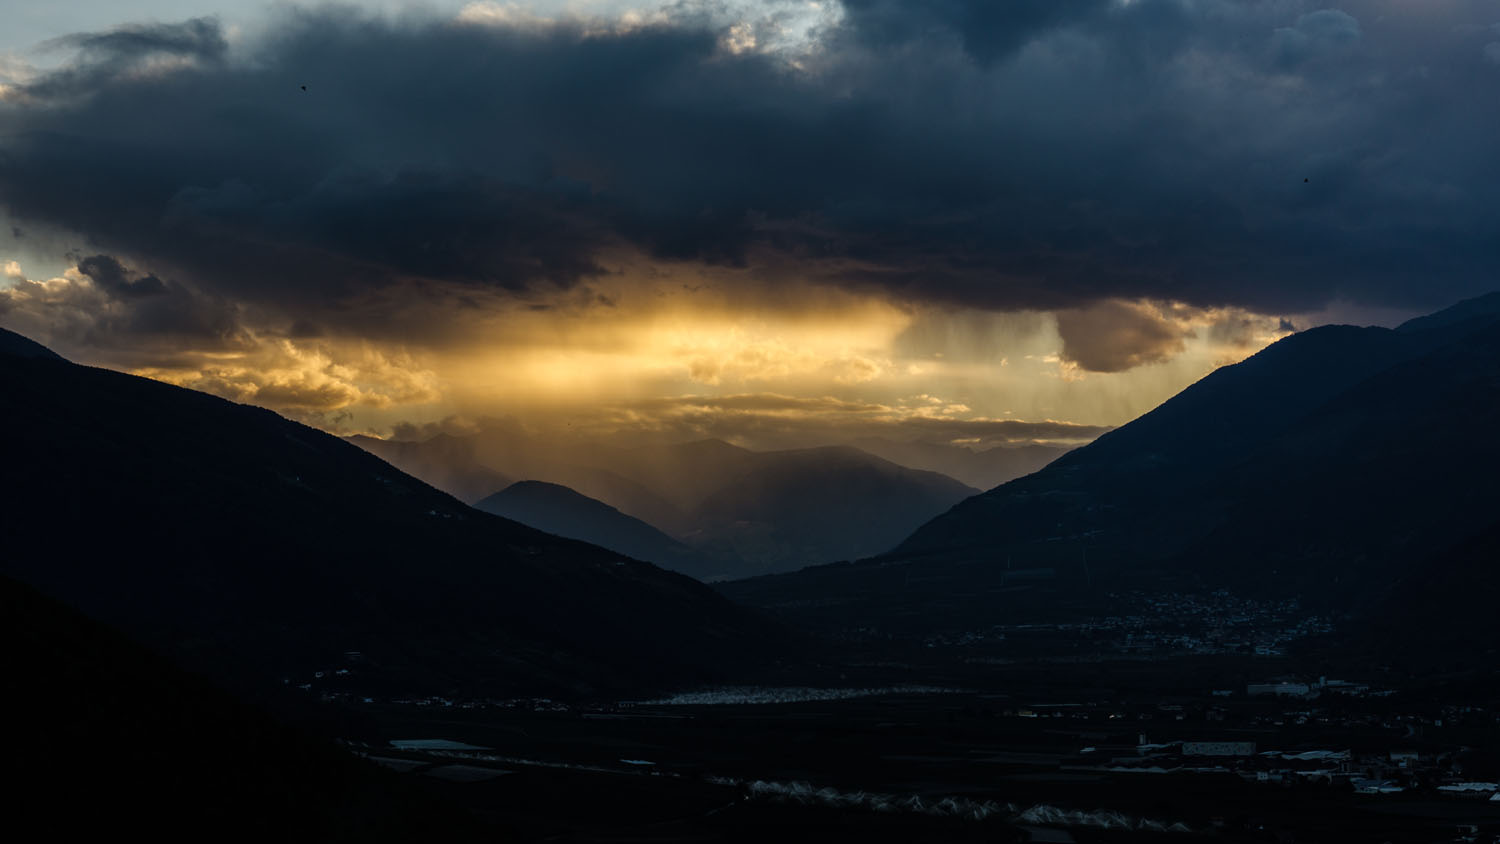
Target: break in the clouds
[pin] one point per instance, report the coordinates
(1135, 189)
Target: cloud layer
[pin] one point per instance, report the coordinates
(1015, 155)
(677, 215)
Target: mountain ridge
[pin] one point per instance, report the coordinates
(559, 510)
(1306, 470)
(695, 492)
(984, 469)
(224, 534)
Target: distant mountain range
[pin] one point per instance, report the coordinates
(830, 503)
(1331, 466)
(447, 463)
(984, 469)
(740, 512)
(226, 536)
(558, 510)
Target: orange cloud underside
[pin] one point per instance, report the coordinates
(680, 351)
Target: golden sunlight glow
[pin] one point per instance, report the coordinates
(682, 352)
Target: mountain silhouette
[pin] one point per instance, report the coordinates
(1327, 467)
(559, 510)
(15, 345)
(983, 469)
(238, 541)
(469, 467)
(751, 512)
(822, 504)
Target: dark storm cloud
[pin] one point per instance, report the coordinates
(108, 307)
(104, 56)
(1116, 336)
(1315, 34)
(301, 397)
(112, 277)
(985, 29)
(1012, 155)
(198, 37)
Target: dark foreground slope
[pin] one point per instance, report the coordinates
(1329, 467)
(1440, 618)
(561, 511)
(232, 537)
(105, 737)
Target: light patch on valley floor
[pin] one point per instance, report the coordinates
(957, 807)
(737, 696)
(433, 744)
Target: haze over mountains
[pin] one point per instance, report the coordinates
(561, 511)
(982, 469)
(741, 512)
(1330, 466)
(236, 540)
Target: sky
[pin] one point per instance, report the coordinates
(778, 222)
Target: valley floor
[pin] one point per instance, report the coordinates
(957, 750)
